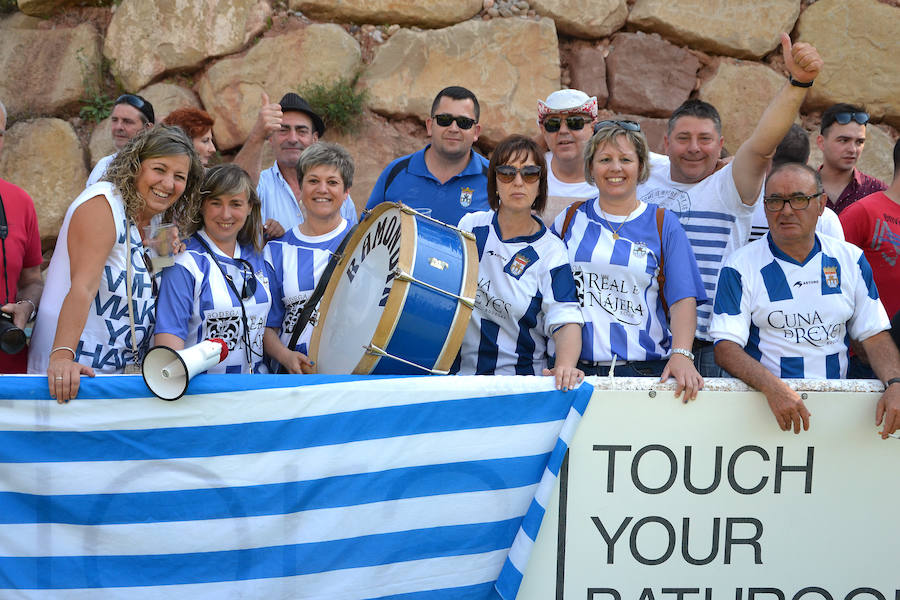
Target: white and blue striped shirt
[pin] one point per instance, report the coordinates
(797, 318)
(296, 262)
(713, 217)
(617, 280)
(196, 303)
(525, 293)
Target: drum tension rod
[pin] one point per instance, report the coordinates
(373, 349)
(404, 276)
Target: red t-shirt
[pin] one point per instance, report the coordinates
(873, 224)
(23, 249)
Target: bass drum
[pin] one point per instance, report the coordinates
(400, 298)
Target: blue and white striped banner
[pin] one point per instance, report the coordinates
(333, 487)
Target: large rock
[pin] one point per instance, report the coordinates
(584, 18)
(876, 159)
(46, 8)
(377, 142)
(148, 38)
(648, 75)
(44, 157)
(47, 71)
(733, 27)
(412, 67)
(587, 72)
(232, 88)
(422, 13)
(165, 97)
(862, 66)
(740, 92)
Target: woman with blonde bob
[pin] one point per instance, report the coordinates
(218, 287)
(639, 283)
(98, 304)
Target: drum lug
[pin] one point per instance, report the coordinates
(402, 275)
(373, 349)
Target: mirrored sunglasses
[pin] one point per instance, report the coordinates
(573, 122)
(507, 173)
(628, 125)
(444, 120)
(842, 118)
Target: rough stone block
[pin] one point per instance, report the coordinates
(587, 72)
(589, 19)
(422, 13)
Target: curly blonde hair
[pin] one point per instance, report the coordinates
(160, 140)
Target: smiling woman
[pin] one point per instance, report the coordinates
(218, 287)
(99, 298)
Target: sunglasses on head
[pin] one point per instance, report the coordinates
(249, 288)
(132, 100)
(507, 173)
(573, 122)
(842, 118)
(445, 119)
(628, 125)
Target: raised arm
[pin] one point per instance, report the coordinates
(268, 121)
(752, 158)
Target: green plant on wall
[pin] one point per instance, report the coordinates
(96, 105)
(338, 102)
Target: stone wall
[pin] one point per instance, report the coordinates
(641, 58)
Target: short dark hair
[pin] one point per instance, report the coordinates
(699, 109)
(897, 159)
(510, 148)
(456, 92)
(793, 147)
(796, 166)
(828, 116)
(139, 103)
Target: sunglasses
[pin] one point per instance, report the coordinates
(149, 265)
(842, 118)
(627, 125)
(248, 290)
(574, 122)
(132, 100)
(797, 202)
(444, 120)
(507, 173)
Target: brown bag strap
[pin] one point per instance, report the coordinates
(661, 277)
(570, 214)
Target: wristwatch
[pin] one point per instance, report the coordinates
(690, 355)
(890, 381)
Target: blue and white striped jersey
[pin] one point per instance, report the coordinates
(617, 284)
(525, 293)
(797, 318)
(713, 216)
(296, 262)
(196, 303)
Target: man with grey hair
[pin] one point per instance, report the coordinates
(131, 114)
(20, 245)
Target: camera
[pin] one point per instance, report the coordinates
(12, 339)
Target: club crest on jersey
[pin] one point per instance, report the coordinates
(465, 196)
(639, 249)
(520, 262)
(831, 276)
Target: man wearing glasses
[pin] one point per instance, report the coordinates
(841, 139)
(788, 303)
(715, 207)
(446, 178)
(566, 120)
(131, 114)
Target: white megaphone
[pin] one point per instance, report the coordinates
(167, 372)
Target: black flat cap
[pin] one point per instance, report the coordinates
(292, 101)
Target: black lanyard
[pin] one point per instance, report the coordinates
(245, 336)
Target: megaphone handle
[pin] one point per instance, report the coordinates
(313, 301)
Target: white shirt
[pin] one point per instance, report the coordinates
(99, 169)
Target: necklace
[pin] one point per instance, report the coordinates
(615, 232)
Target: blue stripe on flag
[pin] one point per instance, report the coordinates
(481, 591)
(74, 572)
(267, 436)
(274, 498)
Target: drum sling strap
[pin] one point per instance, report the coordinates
(660, 276)
(313, 301)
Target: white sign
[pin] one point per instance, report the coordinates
(711, 501)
